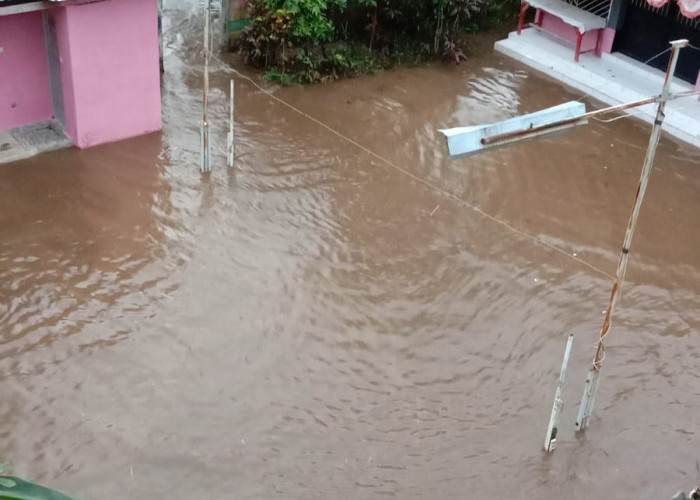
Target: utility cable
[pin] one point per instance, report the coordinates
(420, 180)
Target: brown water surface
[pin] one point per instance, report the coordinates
(317, 324)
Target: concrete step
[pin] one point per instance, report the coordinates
(24, 142)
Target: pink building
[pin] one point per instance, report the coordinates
(92, 66)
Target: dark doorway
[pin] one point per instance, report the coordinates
(647, 30)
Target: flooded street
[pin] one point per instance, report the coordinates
(319, 324)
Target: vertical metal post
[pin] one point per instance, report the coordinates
(205, 142)
(230, 149)
(590, 389)
(550, 440)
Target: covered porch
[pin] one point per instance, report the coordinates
(620, 71)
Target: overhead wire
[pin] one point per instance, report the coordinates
(657, 55)
(420, 180)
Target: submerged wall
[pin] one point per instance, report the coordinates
(24, 76)
(237, 18)
(109, 69)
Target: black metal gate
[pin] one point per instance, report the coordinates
(647, 30)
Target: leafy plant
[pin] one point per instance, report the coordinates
(274, 75)
(316, 40)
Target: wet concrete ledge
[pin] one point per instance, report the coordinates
(613, 79)
(24, 142)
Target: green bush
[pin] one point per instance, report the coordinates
(315, 40)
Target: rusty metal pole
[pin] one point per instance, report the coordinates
(589, 392)
(205, 143)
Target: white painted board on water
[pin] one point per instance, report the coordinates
(467, 140)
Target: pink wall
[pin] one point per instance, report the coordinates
(24, 75)
(109, 69)
(559, 28)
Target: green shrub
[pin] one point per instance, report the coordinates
(314, 40)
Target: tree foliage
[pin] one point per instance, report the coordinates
(311, 40)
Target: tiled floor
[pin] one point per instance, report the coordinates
(613, 79)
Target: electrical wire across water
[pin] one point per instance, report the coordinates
(420, 180)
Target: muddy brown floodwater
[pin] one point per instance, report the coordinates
(319, 325)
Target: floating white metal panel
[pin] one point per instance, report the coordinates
(467, 140)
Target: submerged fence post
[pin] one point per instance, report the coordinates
(230, 149)
(590, 389)
(204, 131)
(550, 440)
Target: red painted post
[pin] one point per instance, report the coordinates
(523, 10)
